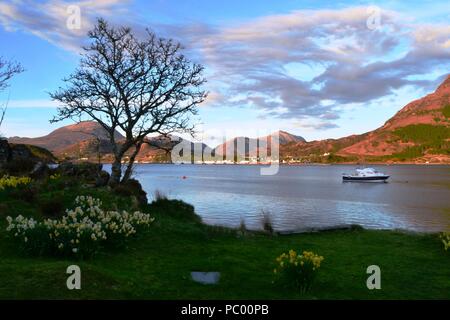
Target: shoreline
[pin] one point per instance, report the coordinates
(286, 164)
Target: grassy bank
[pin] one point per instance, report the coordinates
(157, 265)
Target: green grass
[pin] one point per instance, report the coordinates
(158, 264)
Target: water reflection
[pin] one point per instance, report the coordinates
(305, 197)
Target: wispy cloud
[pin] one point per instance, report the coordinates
(357, 63)
(301, 65)
(52, 19)
(42, 103)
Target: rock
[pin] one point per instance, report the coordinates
(20, 151)
(90, 173)
(83, 170)
(132, 187)
(205, 277)
(102, 179)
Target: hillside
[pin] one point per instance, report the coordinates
(73, 139)
(246, 147)
(419, 132)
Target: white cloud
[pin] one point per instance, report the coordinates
(40, 103)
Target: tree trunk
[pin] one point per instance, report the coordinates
(129, 170)
(116, 171)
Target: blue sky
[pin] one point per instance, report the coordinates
(314, 68)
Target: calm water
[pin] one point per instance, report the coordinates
(302, 197)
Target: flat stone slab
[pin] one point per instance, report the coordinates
(205, 277)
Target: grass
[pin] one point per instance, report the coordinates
(158, 264)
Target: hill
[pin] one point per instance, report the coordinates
(249, 147)
(79, 138)
(419, 132)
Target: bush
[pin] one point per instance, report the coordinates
(81, 232)
(19, 166)
(132, 187)
(159, 195)
(177, 209)
(298, 270)
(11, 182)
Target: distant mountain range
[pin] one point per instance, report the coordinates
(88, 139)
(419, 132)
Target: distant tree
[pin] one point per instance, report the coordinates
(136, 86)
(7, 70)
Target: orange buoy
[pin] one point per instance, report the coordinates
(183, 177)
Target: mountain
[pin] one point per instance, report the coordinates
(285, 138)
(71, 139)
(159, 149)
(419, 132)
(89, 140)
(245, 146)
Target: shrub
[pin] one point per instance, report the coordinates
(445, 238)
(11, 182)
(159, 195)
(298, 270)
(81, 232)
(19, 166)
(177, 209)
(18, 188)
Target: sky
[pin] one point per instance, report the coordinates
(318, 69)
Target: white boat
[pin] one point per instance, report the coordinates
(366, 174)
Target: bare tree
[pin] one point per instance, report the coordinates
(7, 70)
(2, 113)
(136, 86)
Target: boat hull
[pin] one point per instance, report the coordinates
(374, 178)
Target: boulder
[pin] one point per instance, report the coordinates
(87, 170)
(21, 152)
(130, 188)
(90, 173)
(102, 179)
